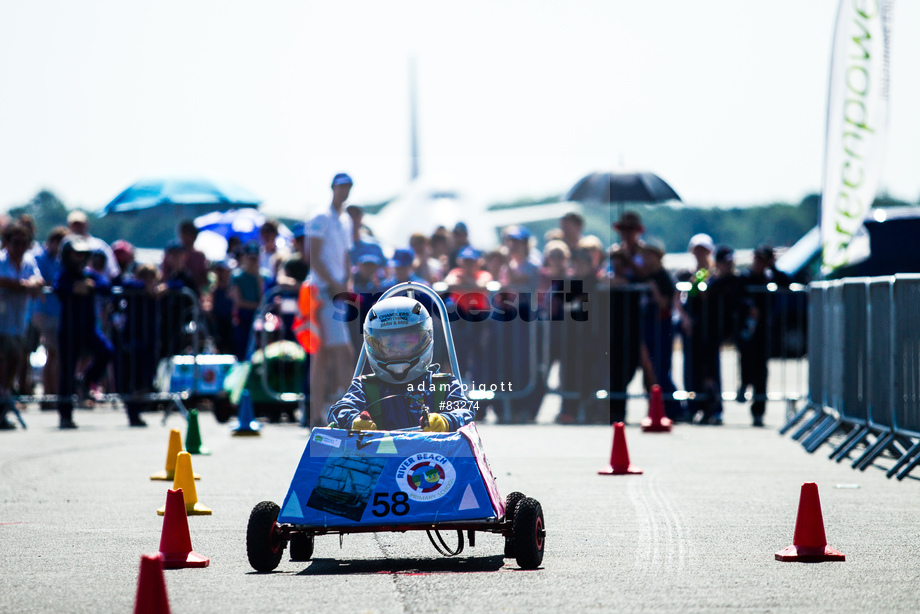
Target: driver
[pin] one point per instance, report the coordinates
(405, 389)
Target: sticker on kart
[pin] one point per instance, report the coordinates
(391, 477)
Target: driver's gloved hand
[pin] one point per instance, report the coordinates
(363, 422)
(436, 424)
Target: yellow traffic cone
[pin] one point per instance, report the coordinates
(187, 484)
(175, 446)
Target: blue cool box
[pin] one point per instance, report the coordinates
(391, 477)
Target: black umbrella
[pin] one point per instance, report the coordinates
(622, 187)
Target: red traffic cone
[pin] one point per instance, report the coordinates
(619, 455)
(175, 541)
(656, 422)
(809, 544)
(151, 587)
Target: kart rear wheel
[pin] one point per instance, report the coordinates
(301, 547)
(264, 542)
(511, 502)
(528, 533)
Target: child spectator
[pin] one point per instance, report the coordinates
(494, 260)
(177, 307)
(195, 263)
(466, 286)
(136, 339)
(401, 263)
(247, 287)
(428, 268)
(221, 312)
(271, 255)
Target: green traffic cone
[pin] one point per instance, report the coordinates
(193, 437)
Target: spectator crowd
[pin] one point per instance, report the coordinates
(104, 321)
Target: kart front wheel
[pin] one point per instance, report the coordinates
(264, 542)
(528, 533)
(301, 547)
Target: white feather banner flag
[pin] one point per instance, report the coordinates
(857, 121)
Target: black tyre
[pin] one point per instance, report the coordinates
(264, 544)
(301, 547)
(511, 502)
(528, 534)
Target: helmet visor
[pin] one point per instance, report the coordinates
(400, 343)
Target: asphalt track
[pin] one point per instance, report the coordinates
(695, 533)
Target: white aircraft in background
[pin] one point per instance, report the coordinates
(430, 202)
(427, 204)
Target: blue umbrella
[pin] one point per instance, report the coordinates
(149, 193)
(242, 223)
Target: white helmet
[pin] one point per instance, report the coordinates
(399, 339)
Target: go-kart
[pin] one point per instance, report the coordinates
(395, 481)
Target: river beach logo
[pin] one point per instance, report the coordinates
(426, 476)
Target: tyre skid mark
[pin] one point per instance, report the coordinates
(661, 540)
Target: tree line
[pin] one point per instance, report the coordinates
(780, 224)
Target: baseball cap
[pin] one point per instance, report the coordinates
(365, 258)
(725, 254)
(122, 247)
(342, 179)
(76, 217)
(251, 248)
(518, 233)
(468, 253)
(402, 257)
(174, 246)
(461, 227)
(299, 230)
(701, 239)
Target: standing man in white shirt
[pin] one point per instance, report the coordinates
(329, 233)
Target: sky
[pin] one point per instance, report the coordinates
(724, 99)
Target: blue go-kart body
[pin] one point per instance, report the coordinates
(349, 479)
(403, 480)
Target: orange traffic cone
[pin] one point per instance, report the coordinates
(175, 446)
(175, 541)
(809, 544)
(186, 484)
(151, 587)
(619, 455)
(656, 422)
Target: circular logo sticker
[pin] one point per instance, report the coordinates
(426, 477)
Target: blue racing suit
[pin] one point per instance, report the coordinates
(404, 410)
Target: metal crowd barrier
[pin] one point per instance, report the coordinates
(584, 345)
(142, 329)
(864, 373)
